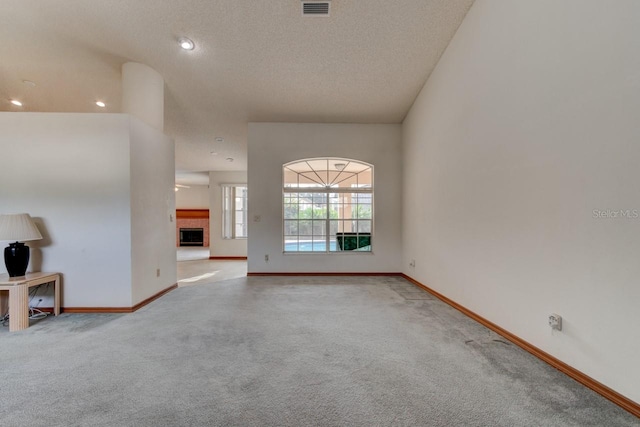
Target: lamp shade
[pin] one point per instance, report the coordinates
(18, 228)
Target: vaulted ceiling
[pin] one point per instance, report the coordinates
(254, 60)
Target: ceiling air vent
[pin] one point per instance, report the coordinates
(315, 8)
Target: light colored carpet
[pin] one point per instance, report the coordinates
(294, 351)
(192, 253)
(198, 272)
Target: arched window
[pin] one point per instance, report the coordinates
(328, 206)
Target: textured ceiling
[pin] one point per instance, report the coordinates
(255, 60)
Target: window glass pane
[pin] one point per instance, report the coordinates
(310, 179)
(361, 197)
(319, 198)
(290, 178)
(319, 244)
(347, 241)
(290, 210)
(319, 166)
(335, 210)
(305, 244)
(334, 227)
(364, 178)
(319, 211)
(364, 243)
(363, 211)
(291, 243)
(304, 228)
(234, 211)
(227, 223)
(304, 205)
(364, 226)
(319, 228)
(290, 228)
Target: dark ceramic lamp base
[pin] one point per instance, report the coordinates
(16, 258)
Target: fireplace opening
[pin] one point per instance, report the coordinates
(192, 237)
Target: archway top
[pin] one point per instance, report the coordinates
(328, 172)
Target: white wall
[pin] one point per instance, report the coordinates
(153, 224)
(100, 187)
(194, 197)
(273, 144)
(219, 247)
(528, 124)
(71, 173)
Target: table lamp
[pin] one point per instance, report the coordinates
(17, 227)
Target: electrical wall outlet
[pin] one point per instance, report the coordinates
(266, 258)
(555, 321)
(412, 263)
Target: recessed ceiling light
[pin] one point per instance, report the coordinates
(16, 102)
(229, 159)
(29, 83)
(186, 44)
(219, 139)
(101, 104)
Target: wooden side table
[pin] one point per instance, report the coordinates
(18, 288)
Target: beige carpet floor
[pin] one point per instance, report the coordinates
(285, 351)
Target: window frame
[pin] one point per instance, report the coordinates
(327, 191)
(229, 212)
